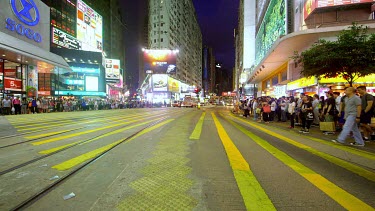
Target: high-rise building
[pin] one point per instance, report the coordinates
(173, 25)
(284, 27)
(208, 76)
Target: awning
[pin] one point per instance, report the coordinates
(18, 50)
(285, 47)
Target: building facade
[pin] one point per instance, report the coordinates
(27, 66)
(283, 27)
(173, 25)
(208, 76)
(93, 27)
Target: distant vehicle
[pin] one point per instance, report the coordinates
(176, 103)
(188, 101)
(228, 101)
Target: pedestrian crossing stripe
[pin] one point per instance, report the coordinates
(198, 128)
(344, 164)
(88, 131)
(252, 192)
(49, 151)
(338, 194)
(87, 156)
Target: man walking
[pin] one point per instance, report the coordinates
(353, 108)
(367, 103)
(7, 104)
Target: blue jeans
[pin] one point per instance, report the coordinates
(283, 115)
(255, 116)
(350, 125)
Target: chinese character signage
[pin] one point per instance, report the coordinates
(65, 40)
(89, 28)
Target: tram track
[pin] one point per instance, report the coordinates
(37, 196)
(126, 126)
(47, 129)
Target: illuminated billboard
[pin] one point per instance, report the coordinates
(311, 5)
(173, 85)
(160, 83)
(160, 61)
(112, 69)
(89, 28)
(272, 27)
(92, 83)
(65, 40)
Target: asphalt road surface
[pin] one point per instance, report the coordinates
(176, 159)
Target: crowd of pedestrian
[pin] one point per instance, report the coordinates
(348, 112)
(16, 106)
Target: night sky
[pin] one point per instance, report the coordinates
(217, 20)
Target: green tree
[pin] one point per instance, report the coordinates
(352, 56)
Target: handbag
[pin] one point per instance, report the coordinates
(327, 126)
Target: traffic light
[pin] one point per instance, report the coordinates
(197, 90)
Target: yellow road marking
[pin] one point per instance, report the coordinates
(49, 151)
(252, 192)
(198, 128)
(49, 134)
(84, 122)
(359, 152)
(85, 132)
(82, 158)
(345, 164)
(342, 197)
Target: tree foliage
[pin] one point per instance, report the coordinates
(350, 57)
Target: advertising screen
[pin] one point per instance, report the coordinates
(92, 83)
(311, 5)
(160, 61)
(160, 82)
(173, 85)
(272, 27)
(112, 69)
(65, 40)
(89, 28)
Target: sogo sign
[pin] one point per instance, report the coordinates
(28, 14)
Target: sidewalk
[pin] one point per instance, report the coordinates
(314, 132)
(6, 128)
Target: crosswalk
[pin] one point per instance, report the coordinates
(205, 159)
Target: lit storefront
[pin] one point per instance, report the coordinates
(24, 49)
(308, 86)
(86, 77)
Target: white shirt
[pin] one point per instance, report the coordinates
(291, 107)
(338, 102)
(273, 106)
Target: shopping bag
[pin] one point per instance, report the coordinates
(327, 126)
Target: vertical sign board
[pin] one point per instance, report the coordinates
(1, 74)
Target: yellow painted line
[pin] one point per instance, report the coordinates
(344, 164)
(338, 194)
(84, 121)
(49, 134)
(49, 151)
(198, 128)
(89, 131)
(70, 123)
(254, 196)
(358, 152)
(82, 158)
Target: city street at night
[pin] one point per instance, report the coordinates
(177, 159)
